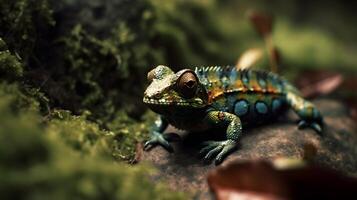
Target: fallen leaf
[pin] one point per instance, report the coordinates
(315, 83)
(254, 178)
(262, 22)
(261, 180)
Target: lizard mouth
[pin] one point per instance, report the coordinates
(164, 102)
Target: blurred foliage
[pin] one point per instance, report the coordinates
(72, 74)
(311, 48)
(24, 24)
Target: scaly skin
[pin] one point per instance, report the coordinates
(224, 98)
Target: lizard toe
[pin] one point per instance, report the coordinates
(149, 145)
(158, 139)
(212, 153)
(228, 148)
(313, 125)
(219, 150)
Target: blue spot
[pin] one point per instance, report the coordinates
(276, 105)
(241, 108)
(261, 108)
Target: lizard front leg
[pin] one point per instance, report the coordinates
(221, 149)
(157, 137)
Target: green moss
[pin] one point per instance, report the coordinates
(18, 101)
(90, 140)
(80, 134)
(62, 160)
(128, 133)
(10, 67)
(20, 142)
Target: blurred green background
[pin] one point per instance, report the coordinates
(70, 116)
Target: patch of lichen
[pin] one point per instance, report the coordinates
(42, 162)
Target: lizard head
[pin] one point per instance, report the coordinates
(169, 89)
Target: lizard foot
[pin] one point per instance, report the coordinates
(314, 125)
(219, 150)
(157, 138)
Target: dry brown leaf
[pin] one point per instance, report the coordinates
(254, 178)
(262, 22)
(315, 83)
(260, 180)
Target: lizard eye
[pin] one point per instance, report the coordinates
(151, 76)
(187, 84)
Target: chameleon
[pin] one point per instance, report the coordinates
(221, 98)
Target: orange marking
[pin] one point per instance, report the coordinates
(239, 84)
(253, 83)
(214, 94)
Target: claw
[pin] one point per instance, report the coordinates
(314, 125)
(158, 139)
(302, 124)
(219, 150)
(204, 151)
(149, 145)
(212, 153)
(224, 153)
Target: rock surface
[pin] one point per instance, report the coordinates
(336, 148)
